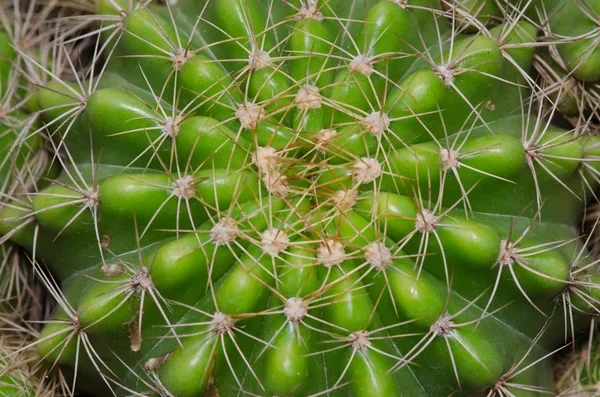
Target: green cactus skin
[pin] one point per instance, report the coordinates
(568, 67)
(471, 15)
(572, 26)
(308, 199)
(582, 55)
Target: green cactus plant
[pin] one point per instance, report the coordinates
(26, 32)
(568, 67)
(577, 25)
(570, 31)
(23, 160)
(308, 198)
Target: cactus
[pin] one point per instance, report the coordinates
(23, 160)
(26, 31)
(568, 66)
(308, 198)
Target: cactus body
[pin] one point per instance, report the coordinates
(309, 199)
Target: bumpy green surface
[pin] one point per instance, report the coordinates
(571, 27)
(579, 20)
(569, 65)
(346, 198)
